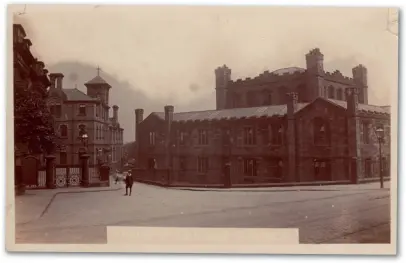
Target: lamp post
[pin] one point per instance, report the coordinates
(380, 136)
(84, 157)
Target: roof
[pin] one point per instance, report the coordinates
(257, 112)
(363, 107)
(238, 113)
(97, 80)
(77, 95)
(289, 70)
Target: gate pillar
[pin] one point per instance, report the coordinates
(85, 169)
(50, 171)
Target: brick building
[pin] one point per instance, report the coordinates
(289, 125)
(74, 111)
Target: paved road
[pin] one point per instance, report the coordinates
(342, 215)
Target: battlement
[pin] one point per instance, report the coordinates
(279, 75)
(314, 52)
(337, 76)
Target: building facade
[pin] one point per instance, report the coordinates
(291, 125)
(75, 111)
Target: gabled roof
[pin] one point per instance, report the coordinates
(77, 95)
(238, 113)
(363, 107)
(97, 80)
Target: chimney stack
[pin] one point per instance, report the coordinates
(52, 78)
(56, 80)
(292, 103)
(352, 100)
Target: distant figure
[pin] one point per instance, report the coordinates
(117, 177)
(128, 183)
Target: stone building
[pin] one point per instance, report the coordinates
(291, 125)
(28, 73)
(74, 111)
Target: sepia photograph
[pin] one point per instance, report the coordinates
(202, 125)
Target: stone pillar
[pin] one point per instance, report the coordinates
(85, 170)
(354, 136)
(291, 136)
(50, 171)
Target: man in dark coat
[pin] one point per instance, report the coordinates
(128, 183)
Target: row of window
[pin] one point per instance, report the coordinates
(321, 135)
(56, 110)
(335, 93)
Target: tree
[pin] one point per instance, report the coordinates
(33, 122)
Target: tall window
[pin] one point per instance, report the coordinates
(202, 164)
(267, 97)
(321, 132)
(203, 137)
(331, 92)
(249, 136)
(339, 94)
(182, 138)
(250, 167)
(152, 138)
(64, 130)
(82, 110)
(277, 134)
(365, 132)
(182, 163)
(63, 158)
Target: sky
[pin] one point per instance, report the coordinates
(154, 56)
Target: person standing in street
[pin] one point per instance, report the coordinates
(128, 183)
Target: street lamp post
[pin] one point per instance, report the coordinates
(380, 135)
(84, 157)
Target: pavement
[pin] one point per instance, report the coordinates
(34, 203)
(323, 214)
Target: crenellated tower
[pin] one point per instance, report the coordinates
(223, 76)
(360, 77)
(315, 70)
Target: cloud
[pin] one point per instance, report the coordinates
(167, 55)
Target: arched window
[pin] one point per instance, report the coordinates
(64, 130)
(321, 131)
(339, 94)
(331, 92)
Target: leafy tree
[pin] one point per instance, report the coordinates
(33, 122)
